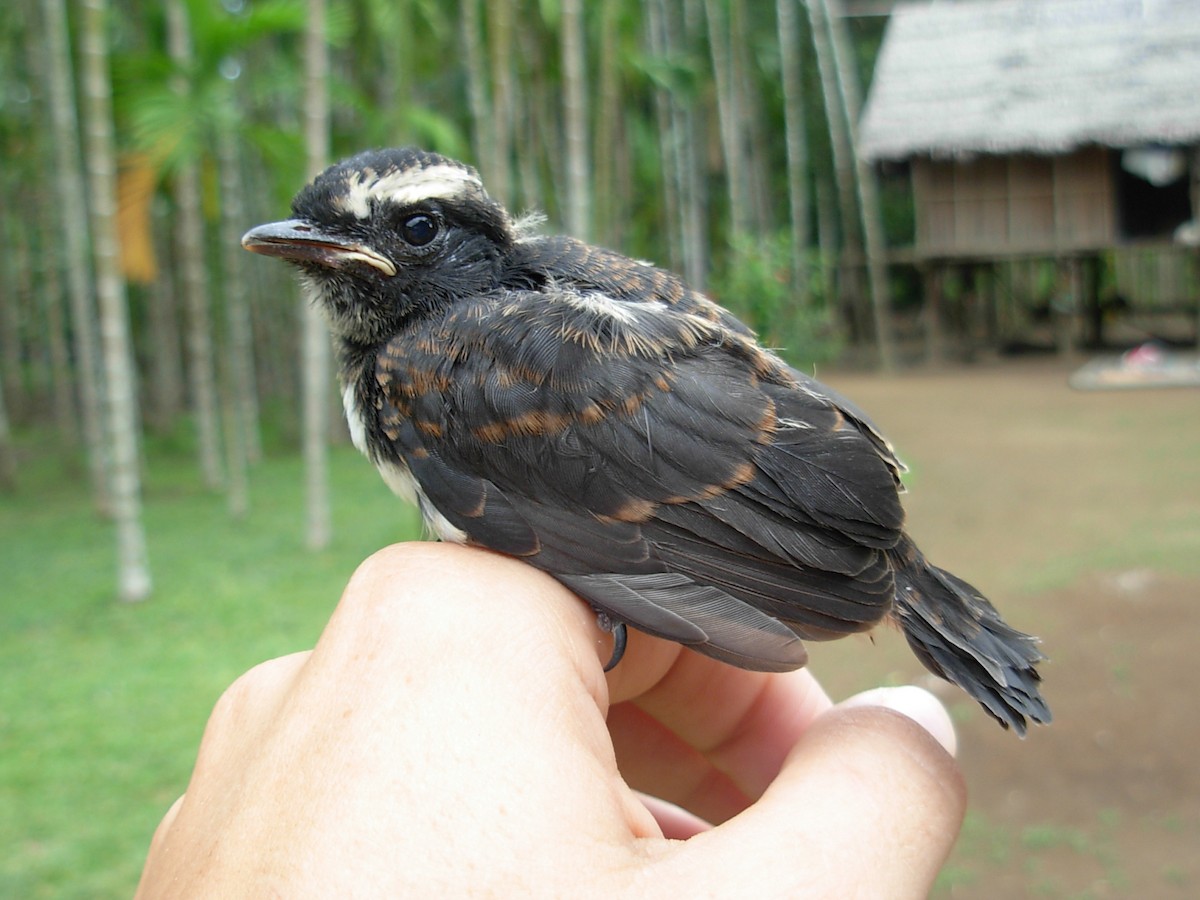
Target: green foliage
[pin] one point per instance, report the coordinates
(219, 29)
(755, 284)
(680, 74)
(171, 114)
(102, 704)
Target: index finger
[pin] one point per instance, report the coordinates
(709, 737)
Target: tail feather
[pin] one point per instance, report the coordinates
(958, 635)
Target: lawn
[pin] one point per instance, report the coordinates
(102, 704)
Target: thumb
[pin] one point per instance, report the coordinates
(869, 797)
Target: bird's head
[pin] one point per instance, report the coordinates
(388, 234)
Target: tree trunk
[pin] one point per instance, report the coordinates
(476, 71)
(659, 38)
(120, 389)
(575, 120)
(69, 187)
(237, 370)
(751, 136)
(66, 417)
(538, 136)
(797, 145)
(1195, 257)
(166, 392)
(316, 350)
(194, 274)
(8, 454)
(694, 181)
(498, 168)
(849, 284)
(274, 326)
(12, 379)
(933, 279)
(682, 180)
(868, 189)
(240, 344)
(827, 250)
(607, 142)
(729, 117)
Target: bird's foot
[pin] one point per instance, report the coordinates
(618, 631)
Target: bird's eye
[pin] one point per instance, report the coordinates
(419, 230)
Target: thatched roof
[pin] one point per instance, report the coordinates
(1041, 76)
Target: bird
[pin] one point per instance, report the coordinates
(593, 415)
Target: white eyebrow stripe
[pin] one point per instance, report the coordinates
(404, 186)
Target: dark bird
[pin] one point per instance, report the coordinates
(597, 418)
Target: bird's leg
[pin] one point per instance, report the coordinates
(618, 631)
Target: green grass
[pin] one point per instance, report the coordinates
(101, 703)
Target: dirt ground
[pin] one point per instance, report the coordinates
(1079, 514)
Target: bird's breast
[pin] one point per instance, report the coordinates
(354, 419)
(396, 474)
(398, 477)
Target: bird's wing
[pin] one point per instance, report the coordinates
(665, 468)
(605, 272)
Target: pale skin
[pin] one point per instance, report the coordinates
(453, 734)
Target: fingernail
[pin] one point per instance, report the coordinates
(916, 703)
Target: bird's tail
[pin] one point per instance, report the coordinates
(960, 636)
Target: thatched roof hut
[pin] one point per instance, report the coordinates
(1042, 128)
(1034, 76)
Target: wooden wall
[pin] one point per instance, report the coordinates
(990, 206)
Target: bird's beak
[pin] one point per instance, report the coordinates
(301, 241)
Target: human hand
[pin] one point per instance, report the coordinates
(448, 735)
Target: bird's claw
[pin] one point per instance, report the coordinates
(619, 633)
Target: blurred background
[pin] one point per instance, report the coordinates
(976, 218)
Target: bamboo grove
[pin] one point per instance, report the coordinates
(141, 139)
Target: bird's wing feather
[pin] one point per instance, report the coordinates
(664, 467)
